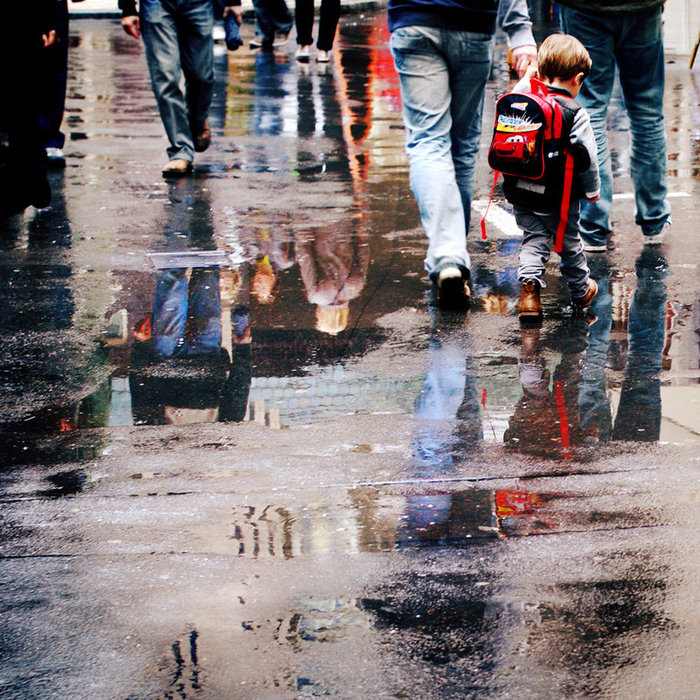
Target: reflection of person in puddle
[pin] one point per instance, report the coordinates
(183, 374)
(546, 417)
(447, 409)
(639, 412)
(333, 264)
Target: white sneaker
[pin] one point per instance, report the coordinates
(323, 56)
(280, 39)
(657, 238)
(303, 53)
(593, 248)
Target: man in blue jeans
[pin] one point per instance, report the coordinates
(627, 35)
(177, 36)
(442, 52)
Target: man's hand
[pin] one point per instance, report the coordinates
(593, 199)
(523, 57)
(236, 11)
(49, 38)
(132, 26)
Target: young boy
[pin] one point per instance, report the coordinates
(562, 63)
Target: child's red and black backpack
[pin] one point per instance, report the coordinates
(530, 147)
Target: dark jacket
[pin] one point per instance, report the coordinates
(479, 16)
(128, 7)
(595, 7)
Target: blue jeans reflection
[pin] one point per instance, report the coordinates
(639, 414)
(447, 407)
(187, 315)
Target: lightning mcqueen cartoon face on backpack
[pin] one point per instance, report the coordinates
(519, 146)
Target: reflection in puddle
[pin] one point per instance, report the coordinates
(371, 521)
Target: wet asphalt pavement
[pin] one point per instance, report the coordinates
(245, 456)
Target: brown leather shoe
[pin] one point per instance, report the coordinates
(201, 137)
(580, 303)
(177, 167)
(530, 304)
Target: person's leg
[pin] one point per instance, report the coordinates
(282, 17)
(535, 246)
(203, 334)
(640, 58)
(597, 35)
(573, 264)
(304, 19)
(169, 314)
(160, 39)
(328, 22)
(196, 52)
(264, 23)
(52, 90)
(470, 63)
(425, 90)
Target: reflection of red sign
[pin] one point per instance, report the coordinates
(510, 503)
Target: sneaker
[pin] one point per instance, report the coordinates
(530, 303)
(281, 39)
(323, 56)
(452, 289)
(580, 303)
(657, 238)
(177, 167)
(594, 247)
(303, 53)
(55, 157)
(257, 43)
(201, 137)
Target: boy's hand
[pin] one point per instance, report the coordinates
(523, 57)
(49, 39)
(531, 72)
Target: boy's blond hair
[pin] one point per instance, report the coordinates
(562, 56)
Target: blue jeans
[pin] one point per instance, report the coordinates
(539, 231)
(633, 42)
(177, 36)
(443, 74)
(271, 17)
(186, 318)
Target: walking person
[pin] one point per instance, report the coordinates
(562, 64)
(442, 52)
(273, 22)
(627, 36)
(177, 36)
(327, 25)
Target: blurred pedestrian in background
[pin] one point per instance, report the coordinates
(177, 36)
(273, 22)
(328, 22)
(627, 36)
(30, 29)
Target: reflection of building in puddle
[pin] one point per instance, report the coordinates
(370, 521)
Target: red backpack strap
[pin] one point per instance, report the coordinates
(486, 211)
(565, 202)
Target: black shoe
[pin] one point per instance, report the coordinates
(453, 290)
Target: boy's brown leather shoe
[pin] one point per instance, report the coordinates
(530, 304)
